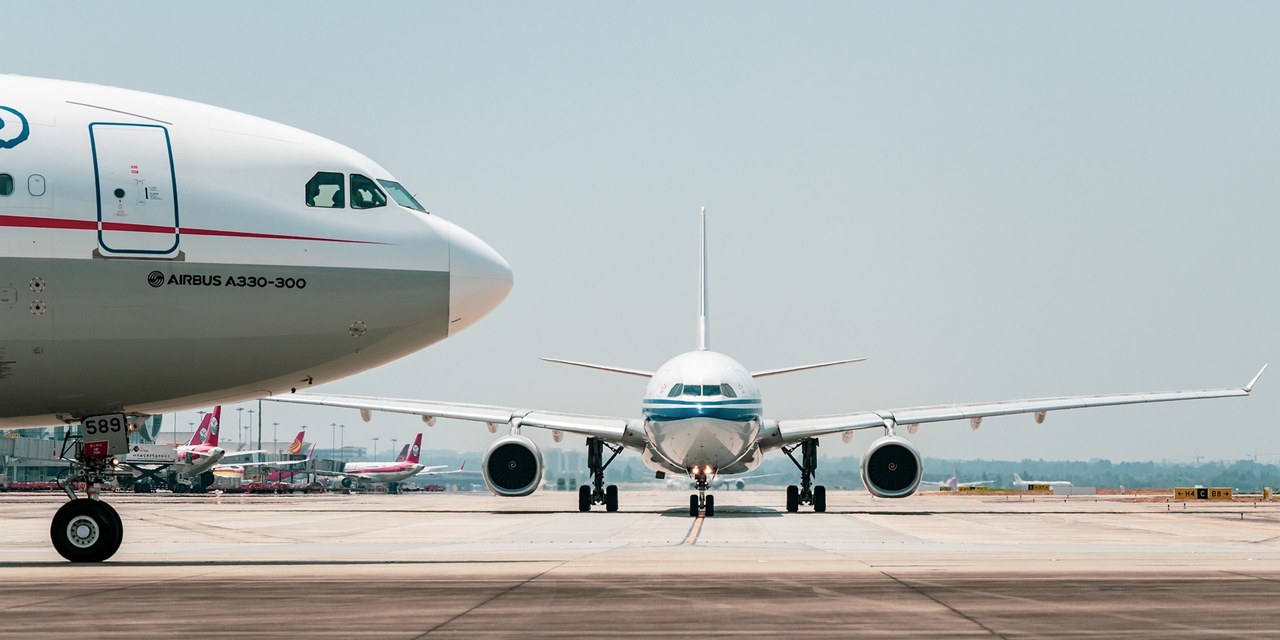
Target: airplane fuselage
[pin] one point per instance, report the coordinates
(158, 254)
(382, 471)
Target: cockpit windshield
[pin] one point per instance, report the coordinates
(701, 390)
(401, 195)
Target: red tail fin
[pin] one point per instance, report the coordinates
(296, 447)
(208, 428)
(415, 451)
(404, 453)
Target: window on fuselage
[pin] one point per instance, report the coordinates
(325, 190)
(365, 194)
(401, 195)
(676, 391)
(6, 184)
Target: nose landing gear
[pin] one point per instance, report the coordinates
(86, 529)
(700, 502)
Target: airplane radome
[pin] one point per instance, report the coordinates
(158, 254)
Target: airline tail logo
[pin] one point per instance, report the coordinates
(296, 447)
(415, 450)
(215, 420)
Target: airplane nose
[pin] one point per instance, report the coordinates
(479, 279)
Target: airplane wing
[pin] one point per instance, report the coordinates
(241, 454)
(793, 430)
(976, 483)
(278, 463)
(611, 429)
(439, 470)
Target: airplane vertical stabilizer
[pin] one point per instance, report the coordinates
(704, 337)
(415, 452)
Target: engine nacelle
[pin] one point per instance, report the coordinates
(512, 466)
(892, 468)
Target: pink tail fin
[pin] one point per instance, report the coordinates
(404, 453)
(208, 428)
(415, 452)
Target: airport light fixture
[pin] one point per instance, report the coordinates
(240, 424)
(249, 427)
(393, 446)
(342, 442)
(375, 448)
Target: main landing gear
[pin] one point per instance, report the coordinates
(806, 493)
(86, 529)
(700, 502)
(597, 493)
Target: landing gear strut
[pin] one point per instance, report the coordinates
(85, 529)
(701, 502)
(806, 493)
(598, 493)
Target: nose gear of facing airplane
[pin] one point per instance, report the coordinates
(806, 493)
(85, 529)
(700, 502)
(597, 492)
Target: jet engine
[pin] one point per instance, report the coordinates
(892, 468)
(512, 466)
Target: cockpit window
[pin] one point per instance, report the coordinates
(325, 190)
(676, 390)
(702, 390)
(727, 391)
(400, 195)
(365, 194)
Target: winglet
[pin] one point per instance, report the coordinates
(1249, 387)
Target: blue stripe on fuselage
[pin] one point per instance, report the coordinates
(667, 409)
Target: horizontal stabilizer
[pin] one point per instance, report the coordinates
(774, 372)
(601, 367)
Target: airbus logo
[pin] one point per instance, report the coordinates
(155, 279)
(11, 135)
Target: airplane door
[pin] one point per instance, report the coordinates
(137, 195)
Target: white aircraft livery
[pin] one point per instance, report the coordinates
(702, 415)
(159, 255)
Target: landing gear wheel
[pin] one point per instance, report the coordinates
(611, 498)
(85, 530)
(820, 499)
(693, 505)
(711, 506)
(793, 498)
(584, 498)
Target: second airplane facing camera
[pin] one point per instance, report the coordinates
(702, 416)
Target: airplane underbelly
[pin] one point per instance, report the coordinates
(702, 441)
(81, 337)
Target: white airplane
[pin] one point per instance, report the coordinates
(134, 227)
(1019, 483)
(702, 416)
(953, 485)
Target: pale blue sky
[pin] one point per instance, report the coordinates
(991, 201)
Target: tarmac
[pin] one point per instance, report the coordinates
(473, 565)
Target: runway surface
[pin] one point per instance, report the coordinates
(461, 565)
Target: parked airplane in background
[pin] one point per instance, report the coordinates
(1019, 483)
(952, 485)
(135, 226)
(389, 473)
(702, 416)
(277, 470)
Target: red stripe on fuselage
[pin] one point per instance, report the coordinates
(28, 222)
